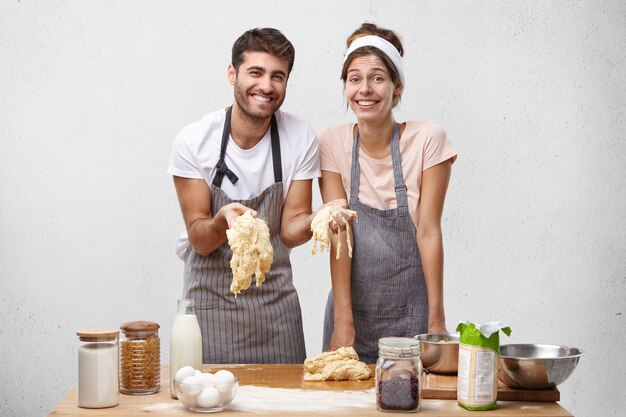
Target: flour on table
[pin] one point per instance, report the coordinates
(249, 240)
(323, 233)
(262, 400)
(338, 365)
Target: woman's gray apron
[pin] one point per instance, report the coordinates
(261, 325)
(388, 289)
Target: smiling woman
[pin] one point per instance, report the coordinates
(370, 89)
(395, 176)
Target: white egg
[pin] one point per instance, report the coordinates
(224, 381)
(226, 395)
(209, 397)
(224, 376)
(191, 386)
(183, 373)
(208, 379)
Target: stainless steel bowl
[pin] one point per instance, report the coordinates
(439, 352)
(536, 366)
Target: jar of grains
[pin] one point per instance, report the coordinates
(140, 358)
(398, 372)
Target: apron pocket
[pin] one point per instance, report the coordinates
(370, 325)
(382, 312)
(206, 305)
(381, 322)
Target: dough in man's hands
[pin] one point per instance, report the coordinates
(249, 240)
(338, 365)
(322, 232)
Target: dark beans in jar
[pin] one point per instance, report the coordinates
(398, 393)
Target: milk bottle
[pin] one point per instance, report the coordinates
(186, 341)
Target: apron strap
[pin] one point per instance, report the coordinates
(278, 167)
(398, 177)
(355, 172)
(221, 167)
(223, 170)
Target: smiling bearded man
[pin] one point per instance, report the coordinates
(248, 156)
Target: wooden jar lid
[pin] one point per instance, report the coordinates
(140, 326)
(93, 334)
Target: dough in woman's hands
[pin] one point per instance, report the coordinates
(338, 365)
(322, 232)
(249, 239)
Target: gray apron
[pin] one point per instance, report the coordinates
(261, 325)
(387, 283)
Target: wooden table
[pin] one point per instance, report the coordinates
(279, 391)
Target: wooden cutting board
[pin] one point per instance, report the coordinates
(443, 387)
(440, 387)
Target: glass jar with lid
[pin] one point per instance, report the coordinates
(140, 358)
(98, 383)
(398, 374)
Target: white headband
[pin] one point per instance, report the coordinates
(382, 44)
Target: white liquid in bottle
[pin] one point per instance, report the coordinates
(186, 341)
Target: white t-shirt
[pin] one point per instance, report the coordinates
(196, 151)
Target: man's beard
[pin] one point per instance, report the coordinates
(242, 100)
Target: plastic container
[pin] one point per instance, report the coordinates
(398, 373)
(140, 358)
(98, 377)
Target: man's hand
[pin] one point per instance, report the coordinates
(230, 212)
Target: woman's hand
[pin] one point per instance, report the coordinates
(439, 328)
(341, 218)
(343, 336)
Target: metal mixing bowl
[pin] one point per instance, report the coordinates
(536, 366)
(439, 352)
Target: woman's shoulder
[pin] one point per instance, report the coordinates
(334, 133)
(427, 128)
(431, 139)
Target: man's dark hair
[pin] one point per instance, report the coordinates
(267, 40)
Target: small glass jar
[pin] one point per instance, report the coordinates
(140, 358)
(98, 357)
(398, 374)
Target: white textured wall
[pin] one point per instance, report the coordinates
(93, 93)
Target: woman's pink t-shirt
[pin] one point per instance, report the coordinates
(422, 146)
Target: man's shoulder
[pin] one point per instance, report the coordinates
(291, 121)
(209, 122)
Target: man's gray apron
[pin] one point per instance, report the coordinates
(388, 289)
(261, 325)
